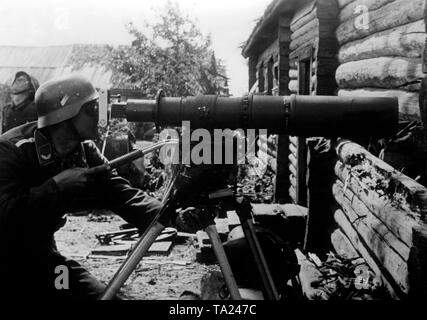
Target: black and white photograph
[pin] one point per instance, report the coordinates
(213, 154)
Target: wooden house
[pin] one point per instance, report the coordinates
(355, 200)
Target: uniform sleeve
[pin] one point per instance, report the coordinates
(130, 203)
(36, 207)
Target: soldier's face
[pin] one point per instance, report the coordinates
(86, 122)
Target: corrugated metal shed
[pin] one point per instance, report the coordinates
(45, 63)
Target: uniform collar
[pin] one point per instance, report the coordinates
(22, 105)
(46, 153)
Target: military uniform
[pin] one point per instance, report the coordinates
(32, 208)
(22, 110)
(14, 116)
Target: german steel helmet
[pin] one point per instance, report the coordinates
(61, 99)
(24, 82)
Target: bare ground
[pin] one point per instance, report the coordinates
(156, 278)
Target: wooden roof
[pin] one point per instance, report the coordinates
(265, 30)
(45, 63)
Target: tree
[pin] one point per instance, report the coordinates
(171, 54)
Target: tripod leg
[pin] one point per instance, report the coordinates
(132, 260)
(244, 212)
(223, 262)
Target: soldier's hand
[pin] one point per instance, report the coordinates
(75, 179)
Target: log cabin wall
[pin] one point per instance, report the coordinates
(380, 213)
(377, 212)
(380, 50)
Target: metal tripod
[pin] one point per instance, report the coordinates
(208, 225)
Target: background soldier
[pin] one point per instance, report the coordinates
(22, 108)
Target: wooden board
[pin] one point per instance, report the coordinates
(346, 148)
(233, 219)
(294, 210)
(303, 16)
(310, 25)
(342, 245)
(398, 221)
(343, 222)
(368, 222)
(160, 248)
(380, 250)
(312, 36)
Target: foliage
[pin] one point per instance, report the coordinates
(171, 54)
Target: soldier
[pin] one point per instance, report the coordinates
(22, 109)
(44, 165)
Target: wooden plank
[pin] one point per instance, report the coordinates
(293, 160)
(233, 219)
(293, 74)
(293, 181)
(271, 51)
(398, 221)
(160, 248)
(394, 14)
(343, 222)
(312, 24)
(342, 245)
(294, 210)
(408, 101)
(293, 140)
(386, 256)
(266, 209)
(383, 72)
(302, 17)
(292, 193)
(252, 71)
(293, 86)
(403, 41)
(346, 149)
(293, 148)
(311, 36)
(292, 170)
(368, 223)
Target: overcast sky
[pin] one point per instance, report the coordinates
(59, 22)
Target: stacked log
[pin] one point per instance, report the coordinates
(378, 210)
(313, 38)
(384, 58)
